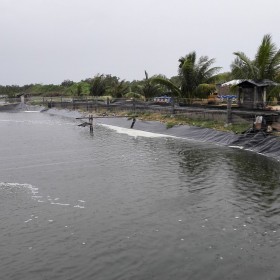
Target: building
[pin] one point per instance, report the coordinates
(252, 93)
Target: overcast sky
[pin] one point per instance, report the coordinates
(48, 41)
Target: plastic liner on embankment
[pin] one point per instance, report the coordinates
(261, 143)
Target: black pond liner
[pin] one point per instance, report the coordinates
(259, 142)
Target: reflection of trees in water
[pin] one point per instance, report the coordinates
(257, 180)
(248, 181)
(194, 161)
(201, 160)
(199, 166)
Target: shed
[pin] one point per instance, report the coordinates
(252, 93)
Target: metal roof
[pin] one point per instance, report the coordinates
(231, 83)
(259, 83)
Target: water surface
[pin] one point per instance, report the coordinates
(119, 206)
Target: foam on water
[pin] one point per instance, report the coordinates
(136, 133)
(32, 189)
(35, 196)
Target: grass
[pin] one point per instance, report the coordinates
(173, 120)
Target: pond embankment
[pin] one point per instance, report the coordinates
(258, 142)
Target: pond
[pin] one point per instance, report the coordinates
(122, 205)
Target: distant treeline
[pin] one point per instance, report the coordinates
(101, 85)
(197, 78)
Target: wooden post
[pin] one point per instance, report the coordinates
(173, 106)
(264, 97)
(133, 122)
(255, 98)
(96, 103)
(90, 119)
(229, 117)
(134, 105)
(108, 102)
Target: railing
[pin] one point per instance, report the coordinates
(202, 109)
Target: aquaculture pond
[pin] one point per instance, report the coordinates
(127, 204)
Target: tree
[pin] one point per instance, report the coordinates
(97, 86)
(67, 83)
(79, 90)
(147, 88)
(191, 74)
(174, 89)
(265, 65)
(118, 88)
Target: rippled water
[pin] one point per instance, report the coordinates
(118, 206)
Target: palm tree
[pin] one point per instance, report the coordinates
(118, 88)
(147, 88)
(171, 86)
(191, 74)
(194, 73)
(265, 65)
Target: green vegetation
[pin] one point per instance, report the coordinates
(196, 78)
(174, 120)
(265, 65)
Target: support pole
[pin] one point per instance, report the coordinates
(173, 106)
(133, 122)
(134, 105)
(90, 120)
(255, 98)
(229, 116)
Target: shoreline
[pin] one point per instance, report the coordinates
(260, 143)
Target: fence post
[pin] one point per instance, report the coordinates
(95, 104)
(107, 102)
(134, 105)
(173, 106)
(229, 117)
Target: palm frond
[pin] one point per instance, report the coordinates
(165, 82)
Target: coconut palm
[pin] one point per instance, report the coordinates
(265, 65)
(147, 88)
(174, 89)
(191, 74)
(118, 88)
